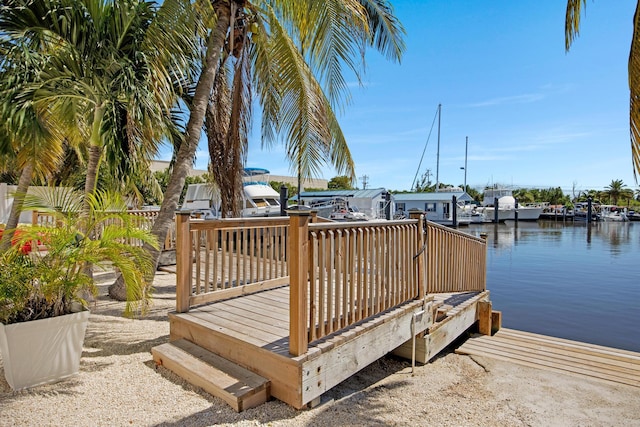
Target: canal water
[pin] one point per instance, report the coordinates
(567, 280)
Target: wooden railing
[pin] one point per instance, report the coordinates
(147, 218)
(357, 271)
(218, 259)
(456, 262)
(339, 273)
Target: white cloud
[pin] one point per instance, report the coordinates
(526, 98)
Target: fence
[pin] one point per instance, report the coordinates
(147, 218)
(339, 273)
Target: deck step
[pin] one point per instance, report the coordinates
(557, 355)
(239, 387)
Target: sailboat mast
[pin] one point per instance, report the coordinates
(438, 152)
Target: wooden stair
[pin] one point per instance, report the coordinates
(558, 355)
(239, 387)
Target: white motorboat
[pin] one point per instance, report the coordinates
(612, 213)
(258, 198)
(506, 206)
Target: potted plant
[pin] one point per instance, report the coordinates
(43, 311)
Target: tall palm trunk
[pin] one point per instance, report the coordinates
(187, 149)
(95, 152)
(16, 207)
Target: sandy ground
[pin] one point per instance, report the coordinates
(119, 385)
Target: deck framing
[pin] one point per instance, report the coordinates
(335, 299)
(252, 331)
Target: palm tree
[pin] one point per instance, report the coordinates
(113, 72)
(584, 195)
(104, 74)
(287, 43)
(572, 28)
(29, 142)
(615, 190)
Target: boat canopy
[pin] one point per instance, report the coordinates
(255, 171)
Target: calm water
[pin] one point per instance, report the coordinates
(569, 281)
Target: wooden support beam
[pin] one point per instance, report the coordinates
(184, 262)
(298, 272)
(422, 249)
(496, 321)
(484, 317)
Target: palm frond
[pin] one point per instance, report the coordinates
(386, 31)
(634, 89)
(572, 21)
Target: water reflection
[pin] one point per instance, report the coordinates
(562, 279)
(615, 235)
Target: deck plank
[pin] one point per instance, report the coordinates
(253, 336)
(558, 355)
(269, 313)
(278, 328)
(239, 387)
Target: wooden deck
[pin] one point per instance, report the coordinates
(253, 331)
(558, 355)
(305, 305)
(454, 314)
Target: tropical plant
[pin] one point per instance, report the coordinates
(614, 190)
(475, 194)
(30, 143)
(341, 182)
(572, 29)
(524, 195)
(424, 185)
(302, 112)
(46, 282)
(102, 74)
(285, 44)
(292, 190)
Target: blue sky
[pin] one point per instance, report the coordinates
(535, 115)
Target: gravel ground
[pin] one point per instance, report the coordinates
(119, 385)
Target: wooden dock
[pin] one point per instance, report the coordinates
(557, 355)
(289, 307)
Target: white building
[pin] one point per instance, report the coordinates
(438, 207)
(371, 202)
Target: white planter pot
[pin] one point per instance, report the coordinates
(42, 351)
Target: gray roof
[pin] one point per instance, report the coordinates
(432, 197)
(364, 194)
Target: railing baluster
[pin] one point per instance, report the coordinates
(314, 282)
(323, 282)
(207, 261)
(345, 283)
(352, 271)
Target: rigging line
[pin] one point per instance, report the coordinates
(425, 149)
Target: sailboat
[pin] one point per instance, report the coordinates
(441, 208)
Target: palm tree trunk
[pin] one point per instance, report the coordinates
(16, 207)
(95, 152)
(187, 149)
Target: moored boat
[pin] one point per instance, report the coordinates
(612, 213)
(506, 206)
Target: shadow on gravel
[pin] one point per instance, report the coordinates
(355, 399)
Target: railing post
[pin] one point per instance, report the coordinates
(420, 260)
(298, 276)
(184, 261)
